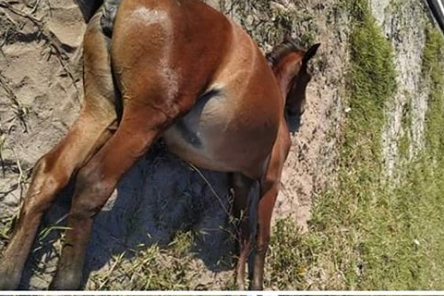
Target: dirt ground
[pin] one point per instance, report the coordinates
(40, 97)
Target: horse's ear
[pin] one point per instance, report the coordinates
(311, 52)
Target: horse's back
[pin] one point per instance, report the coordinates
(185, 38)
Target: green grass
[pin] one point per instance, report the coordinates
(153, 268)
(433, 68)
(349, 217)
(367, 234)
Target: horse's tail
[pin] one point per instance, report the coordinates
(253, 205)
(89, 7)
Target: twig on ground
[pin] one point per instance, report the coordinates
(36, 5)
(21, 177)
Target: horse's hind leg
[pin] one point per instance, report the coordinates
(141, 125)
(53, 171)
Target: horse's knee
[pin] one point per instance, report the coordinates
(92, 191)
(262, 243)
(263, 235)
(270, 183)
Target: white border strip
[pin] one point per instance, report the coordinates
(220, 293)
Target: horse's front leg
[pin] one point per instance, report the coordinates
(269, 191)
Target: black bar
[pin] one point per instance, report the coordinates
(437, 12)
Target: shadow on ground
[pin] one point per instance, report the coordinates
(150, 206)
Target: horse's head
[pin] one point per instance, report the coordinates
(290, 66)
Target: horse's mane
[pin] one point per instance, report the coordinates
(289, 45)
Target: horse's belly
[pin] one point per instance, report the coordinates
(216, 136)
(210, 153)
(192, 137)
(200, 157)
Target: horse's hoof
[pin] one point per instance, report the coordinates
(255, 287)
(241, 286)
(9, 282)
(65, 282)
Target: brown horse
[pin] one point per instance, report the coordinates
(181, 70)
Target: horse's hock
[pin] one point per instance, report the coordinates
(40, 95)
